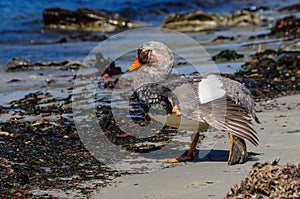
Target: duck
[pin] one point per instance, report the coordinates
(193, 102)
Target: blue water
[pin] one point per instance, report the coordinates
(21, 14)
(24, 16)
(22, 29)
(22, 32)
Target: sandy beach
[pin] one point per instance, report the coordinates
(65, 90)
(279, 134)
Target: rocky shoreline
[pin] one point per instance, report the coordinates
(40, 146)
(85, 19)
(271, 73)
(200, 21)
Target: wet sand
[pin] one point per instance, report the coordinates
(279, 134)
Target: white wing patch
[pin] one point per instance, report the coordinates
(210, 89)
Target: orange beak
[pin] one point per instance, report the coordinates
(135, 64)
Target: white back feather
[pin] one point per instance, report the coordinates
(210, 89)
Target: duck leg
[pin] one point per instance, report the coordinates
(190, 155)
(237, 151)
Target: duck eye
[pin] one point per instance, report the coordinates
(145, 56)
(139, 51)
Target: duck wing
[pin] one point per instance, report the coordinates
(221, 102)
(226, 105)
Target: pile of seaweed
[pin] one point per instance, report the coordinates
(44, 155)
(270, 74)
(40, 148)
(287, 27)
(269, 180)
(45, 152)
(129, 142)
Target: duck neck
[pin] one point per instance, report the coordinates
(149, 75)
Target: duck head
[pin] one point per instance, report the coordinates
(154, 62)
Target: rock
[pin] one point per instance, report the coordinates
(222, 38)
(292, 47)
(285, 27)
(84, 19)
(190, 22)
(198, 21)
(89, 37)
(268, 75)
(106, 66)
(61, 40)
(288, 26)
(268, 53)
(290, 8)
(14, 80)
(112, 70)
(242, 18)
(256, 9)
(17, 64)
(267, 68)
(289, 54)
(227, 55)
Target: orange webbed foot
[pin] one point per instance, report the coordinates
(176, 111)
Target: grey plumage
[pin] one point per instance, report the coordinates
(232, 113)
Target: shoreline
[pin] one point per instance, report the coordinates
(279, 134)
(37, 116)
